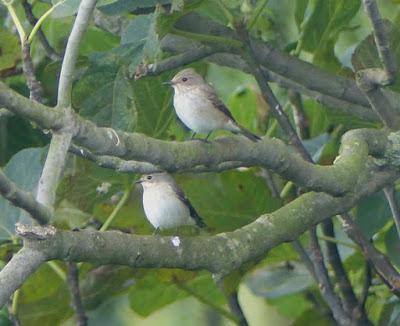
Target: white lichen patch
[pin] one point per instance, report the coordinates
(176, 241)
(103, 188)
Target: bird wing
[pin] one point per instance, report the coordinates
(192, 211)
(218, 104)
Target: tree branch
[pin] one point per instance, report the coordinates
(382, 43)
(201, 252)
(71, 52)
(19, 198)
(17, 270)
(76, 301)
(337, 266)
(183, 156)
(325, 285)
(60, 142)
(383, 267)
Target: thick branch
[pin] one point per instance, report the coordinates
(185, 156)
(17, 270)
(19, 198)
(219, 254)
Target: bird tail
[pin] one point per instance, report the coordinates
(247, 133)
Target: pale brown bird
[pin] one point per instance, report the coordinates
(199, 108)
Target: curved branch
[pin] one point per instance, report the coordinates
(17, 270)
(185, 156)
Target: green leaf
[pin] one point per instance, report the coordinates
(104, 94)
(317, 117)
(44, 299)
(316, 145)
(153, 290)
(230, 199)
(291, 306)
(312, 317)
(372, 213)
(277, 281)
(322, 23)
(118, 7)
(24, 168)
(148, 294)
(65, 8)
(392, 244)
(153, 102)
(104, 282)
(9, 50)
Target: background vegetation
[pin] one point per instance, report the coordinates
(123, 58)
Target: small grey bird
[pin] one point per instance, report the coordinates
(199, 108)
(165, 204)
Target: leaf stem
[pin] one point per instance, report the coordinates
(256, 14)
(117, 208)
(16, 20)
(57, 269)
(40, 22)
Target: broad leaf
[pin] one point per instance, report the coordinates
(9, 50)
(277, 281)
(24, 169)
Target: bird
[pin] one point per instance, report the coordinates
(197, 105)
(165, 204)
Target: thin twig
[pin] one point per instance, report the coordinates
(35, 88)
(76, 300)
(10, 191)
(177, 61)
(300, 119)
(394, 206)
(350, 301)
(383, 267)
(325, 285)
(381, 41)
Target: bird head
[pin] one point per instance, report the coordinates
(186, 79)
(155, 179)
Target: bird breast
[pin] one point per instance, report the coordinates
(197, 112)
(164, 209)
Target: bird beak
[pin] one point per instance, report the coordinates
(138, 182)
(169, 83)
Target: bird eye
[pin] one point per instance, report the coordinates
(184, 79)
(149, 177)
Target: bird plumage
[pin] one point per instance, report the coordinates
(165, 204)
(199, 107)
